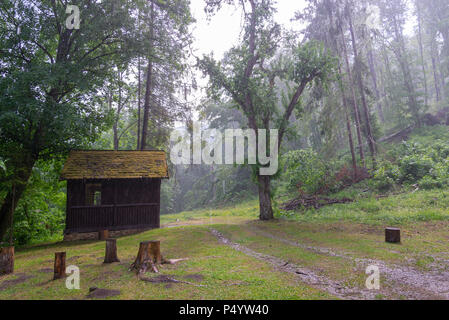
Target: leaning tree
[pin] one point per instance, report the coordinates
(264, 79)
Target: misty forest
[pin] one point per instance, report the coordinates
(358, 91)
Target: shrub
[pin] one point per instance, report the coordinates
(305, 171)
(428, 183)
(386, 176)
(415, 167)
(425, 162)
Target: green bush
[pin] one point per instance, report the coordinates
(40, 214)
(424, 160)
(415, 167)
(428, 183)
(386, 176)
(304, 171)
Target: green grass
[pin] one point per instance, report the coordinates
(232, 214)
(355, 229)
(226, 273)
(396, 210)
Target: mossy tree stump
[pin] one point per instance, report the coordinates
(148, 257)
(59, 269)
(111, 251)
(6, 260)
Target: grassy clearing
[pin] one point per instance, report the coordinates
(234, 214)
(396, 210)
(358, 227)
(354, 229)
(226, 273)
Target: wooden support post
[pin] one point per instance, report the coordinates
(111, 251)
(148, 257)
(393, 235)
(59, 270)
(6, 260)
(103, 235)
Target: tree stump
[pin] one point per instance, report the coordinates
(393, 235)
(6, 260)
(59, 270)
(148, 257)
(103, 234)
(111, 251)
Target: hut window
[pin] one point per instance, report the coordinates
(93, 194)
(97, 198)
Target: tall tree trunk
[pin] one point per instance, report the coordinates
(404, 65)
(149, 85)
(334, 42)
(372, 66)
(370, 137)
(436, 77)
(139, 104)
(354, 98)
(348, 126)
(264, 184)
(421, 51)
(388, 75)
(22, 174)
(139, 93)
(351, 140)
(115, 131)
(441, 73)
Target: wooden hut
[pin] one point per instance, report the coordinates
(113, 190)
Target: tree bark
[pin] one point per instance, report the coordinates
(441, 73)
(148, 257)
(139, 92)
(421, 51)
(343, 94)
(354, 98)
(435, 71)
(22, 174)
(370, 137)
(372, 66)
(149, 86)
(6, 260)
(111, 251)
(266, 211)
(405, 68)
(59, 268)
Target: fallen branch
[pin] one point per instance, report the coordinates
(172, 261)
(312, 202)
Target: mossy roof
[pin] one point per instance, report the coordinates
(115, 165)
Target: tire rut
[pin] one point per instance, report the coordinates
(429, 285)
(305, 275)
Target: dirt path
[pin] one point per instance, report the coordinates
(305, 275)
(408, 282)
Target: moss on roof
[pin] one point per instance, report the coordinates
(115, 165)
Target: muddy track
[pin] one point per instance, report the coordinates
(408, 282)
(305, 275)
